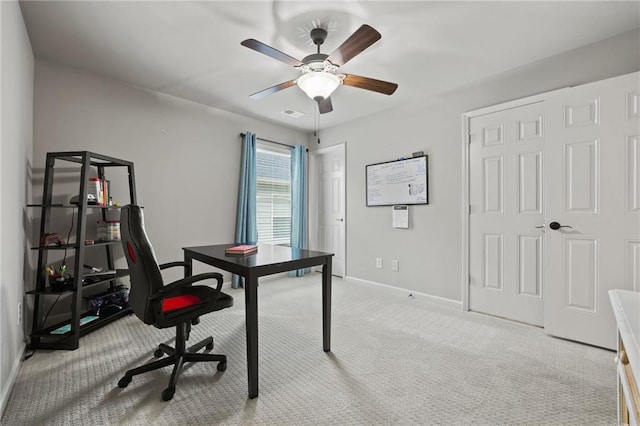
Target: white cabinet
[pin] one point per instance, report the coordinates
(626, 307)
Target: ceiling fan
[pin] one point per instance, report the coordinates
(319, 76)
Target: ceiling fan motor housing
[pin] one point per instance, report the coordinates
(318, 35)
(315, 60)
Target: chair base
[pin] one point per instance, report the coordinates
(177, 357)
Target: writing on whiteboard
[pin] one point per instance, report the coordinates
(398, 182)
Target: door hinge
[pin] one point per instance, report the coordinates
(469, 138)
(469, 208)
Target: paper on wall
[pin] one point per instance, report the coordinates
(400, 216)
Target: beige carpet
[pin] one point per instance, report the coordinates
(395, 360)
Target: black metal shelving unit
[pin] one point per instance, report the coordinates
(43, 335)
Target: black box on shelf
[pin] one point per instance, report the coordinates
(109, 301)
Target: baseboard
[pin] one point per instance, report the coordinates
(8, 385)
(441, 300)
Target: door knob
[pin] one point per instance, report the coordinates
(556, 225)
(340, 220)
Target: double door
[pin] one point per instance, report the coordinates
(555, 208)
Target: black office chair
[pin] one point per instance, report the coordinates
(176, 304)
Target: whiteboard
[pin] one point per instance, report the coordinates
(398, 182)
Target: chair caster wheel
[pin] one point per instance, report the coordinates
(124, 382)
(158, 353)
(222, 366)
(209, 347)
(167, 394)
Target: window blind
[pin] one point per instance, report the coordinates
(273, 185)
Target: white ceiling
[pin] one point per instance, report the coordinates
(192, 49)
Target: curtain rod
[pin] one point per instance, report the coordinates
(267, 140)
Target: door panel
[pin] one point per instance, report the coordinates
(328, 176)
(530, 265)
(530, 182)
(592, 162)
(633, 175)
(581, 260)
(493, 261)
(492, 184)
(583, 113)
(581, 166)
(531, 129)
(506, 197)
(633, 265)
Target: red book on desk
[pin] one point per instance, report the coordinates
(242, 249)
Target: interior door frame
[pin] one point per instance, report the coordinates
(466, 163)
(313, 191)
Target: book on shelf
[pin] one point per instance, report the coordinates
(242, 249)
(67, 327)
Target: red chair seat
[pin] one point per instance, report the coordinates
(179, 302)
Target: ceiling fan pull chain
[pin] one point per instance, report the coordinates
(315, 119)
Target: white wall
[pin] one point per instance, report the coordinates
(430, 252)
(186, 155)
(16, 137)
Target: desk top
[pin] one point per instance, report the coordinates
(626, 307)
(269, 258)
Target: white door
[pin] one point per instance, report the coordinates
(327, 204)
(505, 183)
(593, 186)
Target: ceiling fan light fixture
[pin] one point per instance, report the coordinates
(318, 85)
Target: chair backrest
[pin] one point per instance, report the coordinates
(144, 272)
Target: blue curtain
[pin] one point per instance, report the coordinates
(246, 218)
(298, 203)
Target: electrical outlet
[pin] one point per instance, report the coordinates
(379, 262)
(20, 313)
(395, 265)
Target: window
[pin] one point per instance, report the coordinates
(273, 184)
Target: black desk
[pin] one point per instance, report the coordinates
(270, 259)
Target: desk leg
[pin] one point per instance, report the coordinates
(189, 269)
(326, 306)
(251, 312)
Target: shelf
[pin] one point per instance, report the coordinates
(84, 329)
(120, 273)
(94, 325)
(96, 160)
(60, 247)
(46, 332)
(102, 243)
(75, 246)
(69, 206)
(65, 338)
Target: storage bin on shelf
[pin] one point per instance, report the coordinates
(109, 230)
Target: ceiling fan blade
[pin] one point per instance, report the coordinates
(367, 83)
(270, 51)
(273, 89)
(325, 106)
(364, 37)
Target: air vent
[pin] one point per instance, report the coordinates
(292, 113)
